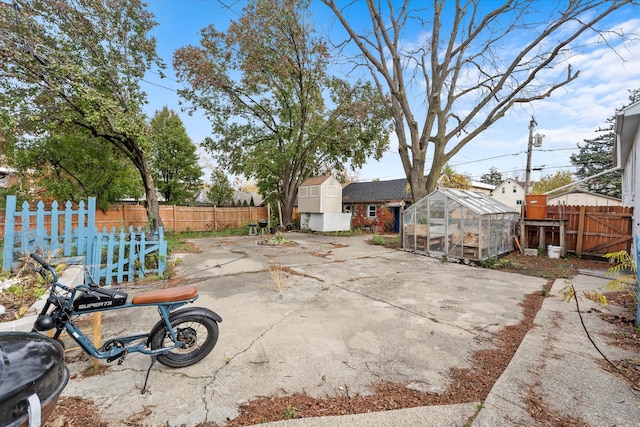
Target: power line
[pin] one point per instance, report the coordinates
(508, 155)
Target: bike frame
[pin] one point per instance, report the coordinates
(64, 321)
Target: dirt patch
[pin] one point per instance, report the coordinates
(75, 411)
(549, 268)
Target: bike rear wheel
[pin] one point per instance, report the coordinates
(197, 333)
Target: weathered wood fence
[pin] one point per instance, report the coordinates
(174, 218)
(590, 230)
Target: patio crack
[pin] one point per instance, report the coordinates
(399, 307)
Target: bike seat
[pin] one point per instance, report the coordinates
(166, 295)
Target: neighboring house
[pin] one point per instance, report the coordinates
(511, 193)
(395, 194)
(320, 205)
(627, 156)
(583, 198)
(481, 187)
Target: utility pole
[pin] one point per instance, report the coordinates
(532, 125)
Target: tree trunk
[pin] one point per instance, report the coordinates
(152, 205)
(287, 213)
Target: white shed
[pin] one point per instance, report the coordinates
(320, 205)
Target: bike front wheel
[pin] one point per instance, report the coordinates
(198, 335)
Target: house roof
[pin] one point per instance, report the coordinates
(510, 181)
(627, 124)
(376, 191)
(316, 180)
(578, 191)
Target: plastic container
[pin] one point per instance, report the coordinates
(32, 376)
(553, 251)
(536, 206)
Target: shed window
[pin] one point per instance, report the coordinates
(315, 191)
(371, 211)
(332, 191)
(304, 192)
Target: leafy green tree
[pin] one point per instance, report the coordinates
(173, 158)
(550, 182)
(87, 167)
(457, 78)
(278, 117)
(493, 177)
(78, 64)
(596, 156)
(221, 192)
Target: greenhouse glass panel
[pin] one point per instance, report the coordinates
(460, 224)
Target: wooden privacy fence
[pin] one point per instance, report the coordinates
(175, 218)
(590, 230)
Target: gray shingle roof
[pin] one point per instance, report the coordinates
(376, 191)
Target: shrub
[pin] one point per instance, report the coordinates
(384, 218)
(359, 219)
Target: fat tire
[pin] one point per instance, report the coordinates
(177, 358)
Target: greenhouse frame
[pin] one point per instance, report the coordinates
(460, 224)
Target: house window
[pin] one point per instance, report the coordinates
(347, 208)
(514, 188)
(503, 190)
(371, 211)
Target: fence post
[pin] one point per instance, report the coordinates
(124, 214)
(162, 251)
(68, 229)
(90, 228)
(9, 233)
(41, 230)
(26, 226)
(175, 218)
(54, 242)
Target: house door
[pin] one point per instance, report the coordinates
(395, 210)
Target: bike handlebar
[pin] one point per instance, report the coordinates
(40, 261)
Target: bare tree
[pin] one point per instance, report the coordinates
(466, 65)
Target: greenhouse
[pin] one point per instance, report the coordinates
(460, 224)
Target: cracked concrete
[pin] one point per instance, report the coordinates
(357, 315)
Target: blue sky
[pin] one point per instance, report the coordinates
(571, 115)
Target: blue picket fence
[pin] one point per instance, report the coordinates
(120, 256)
(34, 233)
(79, 239)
